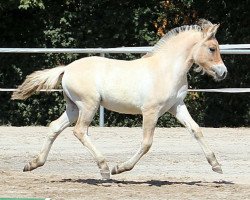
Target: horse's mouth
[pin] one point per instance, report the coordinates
(220, 71)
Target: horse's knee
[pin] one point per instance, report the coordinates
(55, 127)
(78, 133)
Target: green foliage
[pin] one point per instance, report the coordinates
(25, 4)
(106, 23)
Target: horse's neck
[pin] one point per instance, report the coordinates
(177, 55)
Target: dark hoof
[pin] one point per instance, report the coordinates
(27, 167)
(115, 170)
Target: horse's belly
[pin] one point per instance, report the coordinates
(123, 97)
(121, 107)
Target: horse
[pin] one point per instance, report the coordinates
(151, 85)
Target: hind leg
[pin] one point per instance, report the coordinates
(86, 114)
(56, 127)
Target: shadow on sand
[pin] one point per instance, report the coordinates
(157, 183)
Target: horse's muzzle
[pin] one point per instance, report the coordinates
(220, 71)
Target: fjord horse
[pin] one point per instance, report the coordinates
(150, 86)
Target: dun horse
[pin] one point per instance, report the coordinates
(151, 86)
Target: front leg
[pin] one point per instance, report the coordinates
(180, 111)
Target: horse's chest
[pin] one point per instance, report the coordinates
(173, 97)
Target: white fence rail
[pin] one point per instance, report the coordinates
(225, 49)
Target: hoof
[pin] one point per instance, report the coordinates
(105, 174)
(115, 170)
(217, 169)
(27, 167)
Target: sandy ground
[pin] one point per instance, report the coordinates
(174, 168)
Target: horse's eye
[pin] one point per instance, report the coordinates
(211, 49)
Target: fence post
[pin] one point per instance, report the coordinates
(101, 112)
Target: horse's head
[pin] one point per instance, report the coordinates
(206, 53)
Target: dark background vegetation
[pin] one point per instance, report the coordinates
(112, 23)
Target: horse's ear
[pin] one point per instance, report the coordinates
(205, 25)
(212, 32)
(215, 28)
(208, 29)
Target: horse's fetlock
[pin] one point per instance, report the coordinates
(39, 162)
(147, 146)
(212, 159)
(212, 156)
(128, 167)
(102, 163)
(197, 133)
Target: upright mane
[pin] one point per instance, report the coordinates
(163, 41)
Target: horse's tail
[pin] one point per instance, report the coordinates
(44, 79)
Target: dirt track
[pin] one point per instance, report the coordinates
(174, 168)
